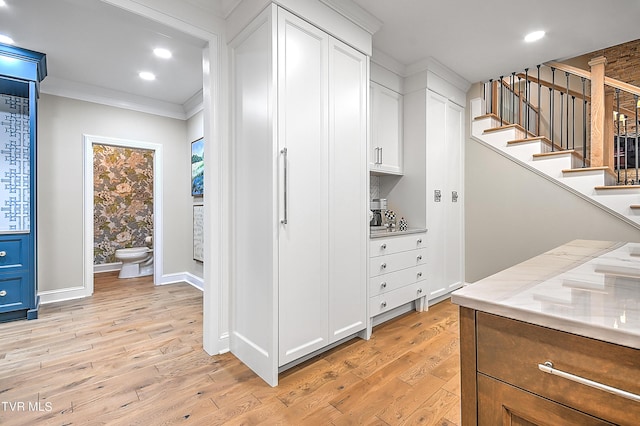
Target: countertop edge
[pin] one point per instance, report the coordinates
(617, 337)
(386, 234)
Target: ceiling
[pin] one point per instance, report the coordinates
(91, 45)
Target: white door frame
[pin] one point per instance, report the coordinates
(89, 141)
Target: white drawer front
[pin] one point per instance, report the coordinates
(391, 281)
(382, 246)
(394, 262)
(387, 301)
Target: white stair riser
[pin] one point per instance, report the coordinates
(553, 166)
(524, 151)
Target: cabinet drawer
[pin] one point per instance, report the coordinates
(391, 281)
(392, 299)
(13, 251)
(394, 262)
(382, 246)
(12, 292)
(511, 351)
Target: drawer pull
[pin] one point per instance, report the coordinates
(3, 253)
(419, 241)
(419, 291)
(419, 257)
(383, 284)
(383, 304)
(3, 293)
(383, 266)
(547, 367)
(419, 274)
(383, 246)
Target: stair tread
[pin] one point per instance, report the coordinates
(527, 140)
(585, 169)
(552, 153)
(618, 187)
(634, 206)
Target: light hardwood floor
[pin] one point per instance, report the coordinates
(132, 355)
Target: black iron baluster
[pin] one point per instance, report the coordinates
(635, 100)
(584, 123)
(520, 103)
(513, 98)
(539, 102)
(567, 75)
(491, 96)
(618, 132)
(561, 121)
(501, 84)
(526, 98)
(551, 95)
(573, 122)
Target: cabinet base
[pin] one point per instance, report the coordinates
(28, 314)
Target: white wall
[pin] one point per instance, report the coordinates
(195, 130)
(61, 125)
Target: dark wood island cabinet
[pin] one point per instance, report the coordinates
(559, 348)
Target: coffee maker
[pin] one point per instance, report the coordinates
(377, 207)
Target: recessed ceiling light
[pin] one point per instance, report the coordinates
(162, 53)
(534, 36)
(3, 3)
(6, 39)
(146, 75)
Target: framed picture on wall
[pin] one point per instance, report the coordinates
(197, 167)
(198, 232)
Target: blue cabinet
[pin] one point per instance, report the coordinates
(20, 74)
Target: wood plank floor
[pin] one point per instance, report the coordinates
(132, 355)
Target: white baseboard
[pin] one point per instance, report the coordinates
(61, 295)
(107, 267)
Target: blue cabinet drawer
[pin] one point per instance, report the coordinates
(12, 292)
(14, 252)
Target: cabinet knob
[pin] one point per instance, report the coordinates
(419, 274)
(419, 241)
(383, 246)
(383, 284)
(419, 291)
(3, 253)
(419, 257)
(383, 266)
(383, 304)
(3, 293)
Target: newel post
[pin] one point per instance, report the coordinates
(598, 110)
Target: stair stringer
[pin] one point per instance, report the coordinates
(496, 146)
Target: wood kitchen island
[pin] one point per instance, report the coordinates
(554, 340)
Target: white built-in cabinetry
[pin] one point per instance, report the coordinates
(397, 272)
(445, 136)
(386, 153)
(300, 195)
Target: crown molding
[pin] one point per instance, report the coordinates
(388, 63)
(100, 95)
(432, 65)
(355, 14)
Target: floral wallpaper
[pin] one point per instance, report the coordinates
(122, 198)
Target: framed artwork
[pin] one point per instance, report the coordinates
(197, 167)
(198, 232)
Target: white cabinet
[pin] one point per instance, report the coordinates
(299, 192)
(397, 272)
(385, 155)
(444, 134)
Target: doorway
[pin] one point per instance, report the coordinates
(90, 210)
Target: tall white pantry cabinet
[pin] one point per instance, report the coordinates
(300, 188)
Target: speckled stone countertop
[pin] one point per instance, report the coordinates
(383, 233)
(588, 288)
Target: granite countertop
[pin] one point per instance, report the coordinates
(383, 233)
(588, 288)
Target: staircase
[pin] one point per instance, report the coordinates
(564, 167)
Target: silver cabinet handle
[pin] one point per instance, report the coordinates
(419, 274)
(3, 253)
(419, 241)
(454, 196)
(3, 293)
(419, 291)
(383, 246)
(547, 367)
(419, 257)
(283, 151)
(383, 284)
(383, 304)
(383, 266)
(381, 156)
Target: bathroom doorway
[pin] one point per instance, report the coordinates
(118, 215)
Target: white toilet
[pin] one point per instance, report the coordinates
(136, 261)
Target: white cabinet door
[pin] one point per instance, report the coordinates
(386, 136)
(303, 239)
(444, 194)
(348, 191)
